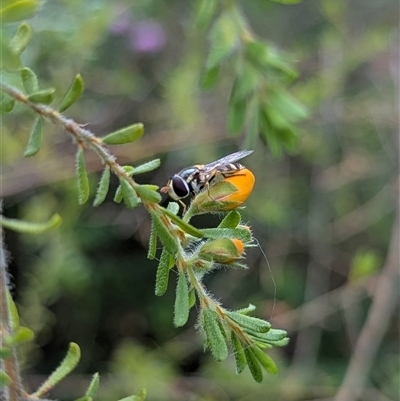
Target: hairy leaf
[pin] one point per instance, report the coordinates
(83, 180)
(146, 167)
(29, 227)
(29, 80)
(162, 273)
(35, 138)
(254, 364)
(166, 238)
(74, 92)
(127, 134)
(102, 188)
(238, 352)
(130, 196)
(181, 309)
(215, 337)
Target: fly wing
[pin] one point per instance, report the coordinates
(232, 158)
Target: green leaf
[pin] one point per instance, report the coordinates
(93, 386)
(6, 103)
(146, 167)
(192, 298)
(20, 335)
(74, 92)
(238, 352)
(31, 228)
(183, 225)
(140, 396)
(287, 105)
(5, 380)
(5, 353)
(224, 38)
(125, 135)
(148, 194)
(45, 96)
(13, 312)
(252, 122)
(162, 273)
(181, 309)
(30, 81)
(231, 220)
(245, 311)
(102, 188)
(266, 361)
(128, 170)
(254, 364)
(129, 194)
(166, 238)
(249, 322)
(236, 115)
(21, 39)
(216, 233)
(173, 207)
(151, 254)
(19, 10)
(215, 337)
(66, 366)
(83, 180)
(118, 195)
(205, 10)
(8, 60)
(35, 138)
(209, 78)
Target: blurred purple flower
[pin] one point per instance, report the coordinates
(145, 36)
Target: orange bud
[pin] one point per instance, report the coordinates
(227, 194)
(223, 250)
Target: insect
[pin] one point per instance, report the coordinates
(192, 180)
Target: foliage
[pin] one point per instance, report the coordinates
(327, 208)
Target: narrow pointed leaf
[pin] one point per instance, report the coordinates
(93, 386)
(148, 194)
(183, 225)
(140, 396)
(118, 195)
(103, 187)
(192, 298)
(249, 322)
(35, 138)
(146, 167)
(210, 78)
(29, 80)
(231, 220)
(162, 273)
(21, 39)
(31, 228)
(266, 361)
(83, 180)
(13, 312)
(166, 238)
(66, 366)
(245, 311)
(5, 380)
(181, 309)
(151, 254)
(20, 335)
(215, 338)
(45, 96)
(254, 365)
(125, 135)
(238, 352)
(129, 194)
(215, 233)
(74, 92)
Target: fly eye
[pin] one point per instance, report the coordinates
(180, 187)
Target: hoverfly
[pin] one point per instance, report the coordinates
(192, 180)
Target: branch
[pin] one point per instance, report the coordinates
(381, 310)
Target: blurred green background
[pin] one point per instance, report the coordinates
(323, 214)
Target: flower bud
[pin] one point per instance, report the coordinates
(223, 250)
(227, 194)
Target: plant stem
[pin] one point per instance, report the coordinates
(14, 391)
